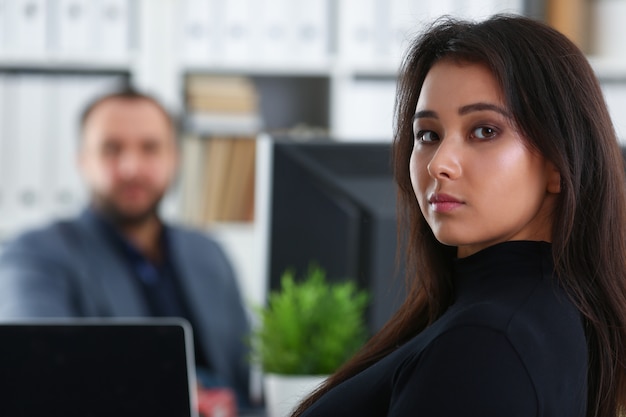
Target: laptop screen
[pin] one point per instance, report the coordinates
(96, 368)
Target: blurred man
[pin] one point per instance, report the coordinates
(118, 258)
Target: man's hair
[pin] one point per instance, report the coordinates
(125, 93)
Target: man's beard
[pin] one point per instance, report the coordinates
(107, 206)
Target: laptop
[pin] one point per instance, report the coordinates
(97, 367)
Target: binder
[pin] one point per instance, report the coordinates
(3, 24)
(26, 26)
(276, 30)
(71, 94)
(114, 24)
(65, 189)
(406, 18)
(198, 31)
(74, 25)
(476, 9)
(236, 28)
(609, 29)
(482, 9)
(4, 219)
(29, 165)
(509, 6)
(113, 20)
(437, 8)
(615, 96)
(358, 30)
(54, 112)
(312, 30)
(9, 127)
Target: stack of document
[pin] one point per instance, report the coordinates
(222, 105)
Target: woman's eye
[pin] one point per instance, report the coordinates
(426, 136)
(484, 132)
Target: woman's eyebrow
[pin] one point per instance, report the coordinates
(425, 113)
(464, 110)
(483, 106)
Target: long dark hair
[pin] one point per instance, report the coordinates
(558, 106)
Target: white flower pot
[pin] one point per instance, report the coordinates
(284, 392)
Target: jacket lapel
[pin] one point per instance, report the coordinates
(195, 287)
(121, 294)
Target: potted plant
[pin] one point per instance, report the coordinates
(307, 330)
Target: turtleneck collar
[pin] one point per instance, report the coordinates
(500, 263)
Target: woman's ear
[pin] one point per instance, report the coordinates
(554, 179)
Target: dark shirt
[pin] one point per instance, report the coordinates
(511, 344)
(158, 281)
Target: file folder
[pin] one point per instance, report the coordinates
(71, 95)
(26, 26)
(4, 220)
(236, 30)
(30, 149)
(3, 24)
(615, 96)
(358, 31)
(198, 31)
(113, 28)
(74, 24)
(276, 26)
(312, 31)
(406, 17)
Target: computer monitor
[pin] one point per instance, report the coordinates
(334, 204)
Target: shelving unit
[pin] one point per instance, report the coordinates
(356, 83)
(596, 26)
(55, 56)
(330, 65)
(347, 91)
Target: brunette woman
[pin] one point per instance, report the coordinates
(512, 199)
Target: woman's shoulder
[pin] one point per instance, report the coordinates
(538, 318)
(481, 366)
(539, 336)
(540, 304)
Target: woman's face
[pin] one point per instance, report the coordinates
(475, 179)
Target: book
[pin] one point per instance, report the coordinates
(570, 18)
(237, 201)
(217, 161)
(222, 111)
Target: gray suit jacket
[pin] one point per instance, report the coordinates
(70, 269)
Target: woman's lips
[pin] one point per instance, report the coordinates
(443, 203)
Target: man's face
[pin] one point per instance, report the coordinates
(128, 158)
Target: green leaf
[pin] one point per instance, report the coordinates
(310, 326)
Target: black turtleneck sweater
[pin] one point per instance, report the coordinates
(511, 344)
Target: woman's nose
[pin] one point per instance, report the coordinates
(446, 161)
